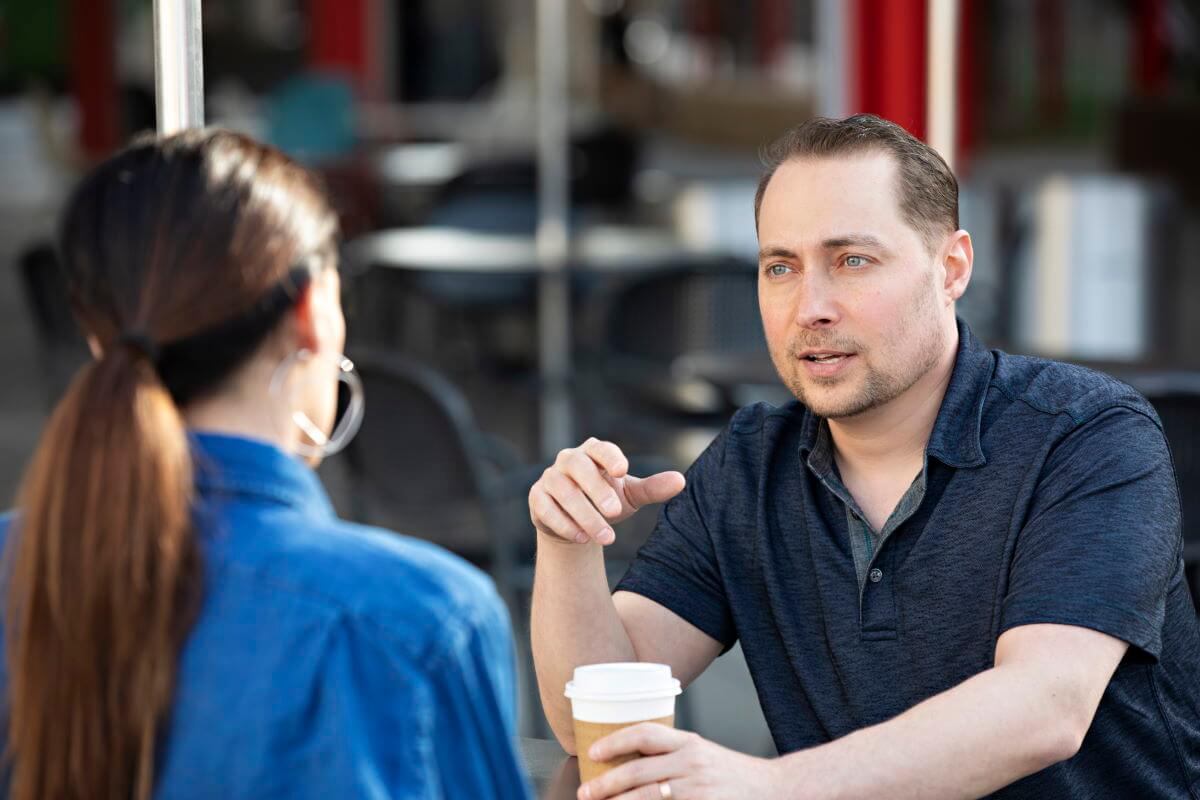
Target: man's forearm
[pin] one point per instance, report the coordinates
(574, 622)
(969, 741)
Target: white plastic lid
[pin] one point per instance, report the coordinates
(622, 681)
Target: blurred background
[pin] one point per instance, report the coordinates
(1074, 132)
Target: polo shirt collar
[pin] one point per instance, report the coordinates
(816, 444)
(258, 471)
(955, 440)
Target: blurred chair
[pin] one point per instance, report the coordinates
(497, 193)
(463, 318)
(1176, 398)
(420, 465)
(60, 345)
(677, 350)
(488, 316)
(669, 334)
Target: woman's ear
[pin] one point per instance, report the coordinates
(304, 319)
(317, 315)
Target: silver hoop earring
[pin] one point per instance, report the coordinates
(350, 422)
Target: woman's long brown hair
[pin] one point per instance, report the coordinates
(172, 245)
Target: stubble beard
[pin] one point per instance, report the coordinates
(879, 386)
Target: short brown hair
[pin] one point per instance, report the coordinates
(928, 189)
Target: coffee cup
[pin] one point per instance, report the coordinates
(608, 697)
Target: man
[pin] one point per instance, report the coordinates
(952, 571)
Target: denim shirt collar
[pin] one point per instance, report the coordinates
(247, 468)
(955, 440)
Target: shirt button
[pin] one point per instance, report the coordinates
(876, 575)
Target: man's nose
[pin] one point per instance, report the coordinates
(816, 302)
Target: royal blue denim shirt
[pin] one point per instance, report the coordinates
(331, 659)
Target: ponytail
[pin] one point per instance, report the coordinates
(103, 578)
(179, 254)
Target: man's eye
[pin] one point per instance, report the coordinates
(777, 270)
(855, 262)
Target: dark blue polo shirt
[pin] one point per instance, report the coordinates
(1048, 496)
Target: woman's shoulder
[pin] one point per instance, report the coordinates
(370, 576)
(377, 557)
(384, 583)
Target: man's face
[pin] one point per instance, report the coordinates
(853, 303)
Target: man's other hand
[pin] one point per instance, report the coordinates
(692, 767)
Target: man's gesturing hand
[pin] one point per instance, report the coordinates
(588, 489)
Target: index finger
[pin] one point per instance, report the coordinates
(608, 456)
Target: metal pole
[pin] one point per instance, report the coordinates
(942, 66)
(554, 312)
(833, 71)
(178, 65)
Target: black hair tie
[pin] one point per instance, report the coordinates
(141, 343)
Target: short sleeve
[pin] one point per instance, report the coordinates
(677, 567)
(1102, 540)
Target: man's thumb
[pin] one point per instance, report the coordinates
(654, 489)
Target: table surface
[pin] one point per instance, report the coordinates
(598, 248)
(554, 774)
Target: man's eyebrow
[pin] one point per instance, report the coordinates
(853, 240)
(775, 252)
(833, 243)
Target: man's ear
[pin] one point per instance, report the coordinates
(94, 346)
(959, 255)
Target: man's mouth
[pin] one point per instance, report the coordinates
(825, 357)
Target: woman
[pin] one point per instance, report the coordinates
(185, 616)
